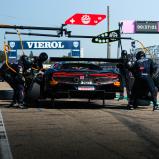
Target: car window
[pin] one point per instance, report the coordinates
(81, 66)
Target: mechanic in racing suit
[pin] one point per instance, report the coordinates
(143, 69)
(125, 73)
(18, 77)
(33, 72)
(13, 76)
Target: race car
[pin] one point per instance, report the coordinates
(81, 80)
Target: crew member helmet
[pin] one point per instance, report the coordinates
(124, 54)
(24, 60)
(43, 56)
(140, 54)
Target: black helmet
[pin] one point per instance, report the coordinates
(124, 54)
(140, 54)
(23, 58)
(43, 56)
(25, 61)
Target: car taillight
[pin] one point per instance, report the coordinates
(108, 75)
(53, 82)
(117, 83)
(66, 74)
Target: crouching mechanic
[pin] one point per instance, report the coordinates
(33, 72)
(12, 74)
(20, 77)
(142, 70)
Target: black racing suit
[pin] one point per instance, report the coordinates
(142, 71)
(126, 77)
(22, 79)
(33, 75)
(15, 80)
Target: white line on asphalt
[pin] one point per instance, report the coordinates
(5, 151)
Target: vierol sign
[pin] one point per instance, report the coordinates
(55, 44)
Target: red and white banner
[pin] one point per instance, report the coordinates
(85, 19)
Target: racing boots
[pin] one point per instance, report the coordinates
(130, 107)
(22, 106)
(13, 104)
(155, 107)
(131, 104)
(121, 96)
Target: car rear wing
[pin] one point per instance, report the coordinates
(60, 59)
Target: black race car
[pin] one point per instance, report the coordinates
(81, 80)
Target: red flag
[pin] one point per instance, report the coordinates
(85, 19)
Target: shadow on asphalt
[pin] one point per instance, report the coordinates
(67, 105)
(80, 104)
(75, 105)
(6, 97)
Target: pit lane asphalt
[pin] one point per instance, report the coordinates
(80, 130)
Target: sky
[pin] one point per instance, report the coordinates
(53, 13)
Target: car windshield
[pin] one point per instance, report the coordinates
(106, 67)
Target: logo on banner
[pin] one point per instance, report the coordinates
(113, 35)
(75, 44)
(12, 44)
(86, 19)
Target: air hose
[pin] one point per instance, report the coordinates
(21, 43)
(144, 48)
(6, 49)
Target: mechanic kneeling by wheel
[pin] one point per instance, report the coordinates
(142, 70)
(16, 75)
(13, 76)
